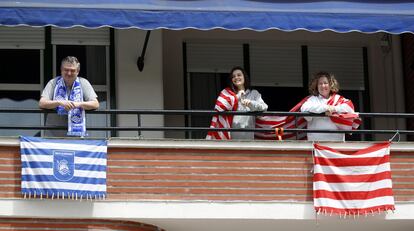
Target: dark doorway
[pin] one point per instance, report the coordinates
(204, 89)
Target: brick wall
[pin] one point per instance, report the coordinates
(72, 224)
(214, 175)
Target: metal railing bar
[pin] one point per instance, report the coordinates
(210, 129)
(205, 112)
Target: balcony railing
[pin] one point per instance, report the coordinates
(217, 172)
(138, 127)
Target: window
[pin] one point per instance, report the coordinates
(21, 55)
(347, 64)
(20, 66)
(208, 65)
(276, 65)
(19, 100)
(21, 63)
(91, 47)
(277, 71)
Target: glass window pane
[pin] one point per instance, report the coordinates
(91, 58)
(346, 63)
(19, 100)
(266, 58)
(98, 120)
(20, 66)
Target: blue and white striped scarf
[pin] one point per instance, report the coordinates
(76, 117)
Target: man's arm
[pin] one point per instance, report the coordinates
(46, 103)
(89, 96)
(88, 105)
(68, 105)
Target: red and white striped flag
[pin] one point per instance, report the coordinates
(352, 184)
(343, 121)
(227, 101)
(285, 122)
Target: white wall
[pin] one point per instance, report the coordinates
(135, 89)
(207, 216)
(385, 71)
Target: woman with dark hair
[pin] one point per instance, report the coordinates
(324, 99)
(236, 97)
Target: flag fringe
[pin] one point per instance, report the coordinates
(33, 194)
(355, 213)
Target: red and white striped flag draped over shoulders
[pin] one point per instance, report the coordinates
(227, 101)
(344, 121)
(285, 122)
(352, 184)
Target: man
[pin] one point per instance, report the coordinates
(71, 96)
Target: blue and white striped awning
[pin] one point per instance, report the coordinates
(369, 16)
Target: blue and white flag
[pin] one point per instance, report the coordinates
(58, 168)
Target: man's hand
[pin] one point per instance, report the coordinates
(68, 105)
(88, 105)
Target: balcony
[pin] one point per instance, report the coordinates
(202, 185)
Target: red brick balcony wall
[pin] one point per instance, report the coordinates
(214, 175)
(72, 224)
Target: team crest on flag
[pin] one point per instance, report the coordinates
(59, 168)
(352, 184)
(63, 164)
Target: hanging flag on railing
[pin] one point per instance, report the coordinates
(352, 184)
(63, 168)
